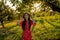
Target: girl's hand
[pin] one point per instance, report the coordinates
(19, 21)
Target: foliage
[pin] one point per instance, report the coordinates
(5, 11)
(47, 20)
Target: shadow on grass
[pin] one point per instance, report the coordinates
(4, 32)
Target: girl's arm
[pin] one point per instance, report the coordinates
(18, 23)
(34, 23)
(33, 20)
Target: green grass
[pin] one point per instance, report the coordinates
(47, 28)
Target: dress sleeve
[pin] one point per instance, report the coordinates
(21, 23)
(33, 23)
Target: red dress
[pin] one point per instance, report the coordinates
(26, 34)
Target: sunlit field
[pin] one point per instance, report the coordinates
(46, 13)
(47, 28)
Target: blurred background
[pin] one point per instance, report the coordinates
(45, 12)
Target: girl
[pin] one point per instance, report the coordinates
(26, 23)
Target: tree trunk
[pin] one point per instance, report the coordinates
(2, 24)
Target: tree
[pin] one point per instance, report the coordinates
(54, 4)
(23, 6)
(4, 12)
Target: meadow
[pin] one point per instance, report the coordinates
(47, 28)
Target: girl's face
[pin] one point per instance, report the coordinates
(26, 16)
